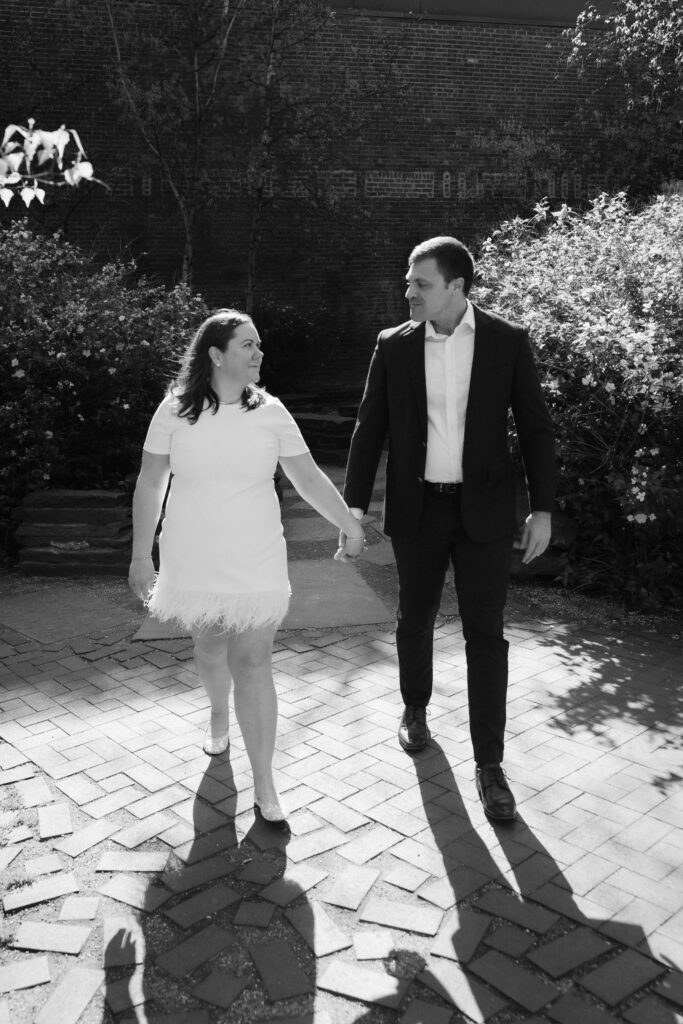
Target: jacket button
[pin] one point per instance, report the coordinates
(420, 480)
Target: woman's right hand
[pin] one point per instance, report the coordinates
(141, 576)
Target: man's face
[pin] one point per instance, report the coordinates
(430, 297)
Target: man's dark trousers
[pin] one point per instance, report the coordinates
(481, 572)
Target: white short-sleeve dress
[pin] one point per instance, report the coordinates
(222, 551)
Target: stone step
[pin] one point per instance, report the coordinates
(85, 556)
(114, 534)
(69, 514)
(75, 499)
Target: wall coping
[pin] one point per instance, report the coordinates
(553, 13)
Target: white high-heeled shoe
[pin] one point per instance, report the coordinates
(273, 814)
(212, 746)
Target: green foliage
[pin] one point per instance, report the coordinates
(89, 351)
(601, 294)
(634, 56)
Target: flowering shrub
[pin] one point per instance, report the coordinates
(601, 294)
(88, 353)
(31, 157)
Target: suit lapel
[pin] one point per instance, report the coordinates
(414, 350)
(482, 369)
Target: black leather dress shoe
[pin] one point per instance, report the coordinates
(494, 792)
(413, 732)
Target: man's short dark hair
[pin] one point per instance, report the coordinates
(452, 258)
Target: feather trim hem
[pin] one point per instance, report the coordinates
(234, 613)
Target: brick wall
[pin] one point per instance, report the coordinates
(466, 131)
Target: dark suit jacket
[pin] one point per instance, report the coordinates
(394, 405)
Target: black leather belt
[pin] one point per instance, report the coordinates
(442, 488)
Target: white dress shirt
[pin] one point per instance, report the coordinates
(448, 367)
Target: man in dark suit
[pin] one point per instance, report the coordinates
(440, 387)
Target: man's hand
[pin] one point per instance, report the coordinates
(535, 535)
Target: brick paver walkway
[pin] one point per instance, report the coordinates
(137, 886)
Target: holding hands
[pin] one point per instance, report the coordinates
(351, 542)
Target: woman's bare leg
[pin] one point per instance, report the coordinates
(211, 659)
(250, 660)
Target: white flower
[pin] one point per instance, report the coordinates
(609, 386)
(18, 373)
(49, 434)
(15, 362)
(587, 379)
(640, 517)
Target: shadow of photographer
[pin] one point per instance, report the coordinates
(208, 928)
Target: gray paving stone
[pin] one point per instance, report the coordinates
(135, 892)
(460, 935)
(80, 789)
(420, 1012)
(569, 952)
(54, 820)
(7, 855)
(351, 888)
(123, 941)
(261, 872)
(254, 914)
(420, 856)
(373, 945)
(198, 949)
(198, 874)
(41, 891)
(187, 1017)
(45, 865)
(19, 835)
(450, 981)
(369, 844)
(221, 988)
(112, 802)
(149, 828)
(25, 974)
(570, 1009)
(511, 940)
(671, 988)
(528, 915)
(317, 929)
(338, 814)
(315, 843)
(79, 908)
(279, 971)
(151, 860)
(514, 981)
(71, 996)
(405, 876)
(353, 982)
(621, 976)
(202, 817)
(651, 1011)
(53, 938)
(203, 905)
(34, 792)
(295, 882)
(127, 992)
(196, 847)
(405, 916)
(19, 774)
(158, 801)
(86, 838)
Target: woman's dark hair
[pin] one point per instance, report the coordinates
(452, 258)
(192, 387)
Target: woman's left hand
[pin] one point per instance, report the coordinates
(349, 547)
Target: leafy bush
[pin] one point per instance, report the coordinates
(89, 351)
(601, 294)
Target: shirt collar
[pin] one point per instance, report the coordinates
(467, 321)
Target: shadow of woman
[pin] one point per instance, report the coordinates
(210, 931)
(513, 931)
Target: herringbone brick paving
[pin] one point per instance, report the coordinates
(138, 887)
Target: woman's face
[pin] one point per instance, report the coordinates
(241, 361)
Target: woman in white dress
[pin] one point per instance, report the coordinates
(223, 558)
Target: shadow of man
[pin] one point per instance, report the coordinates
(513, 931)
(206, 933)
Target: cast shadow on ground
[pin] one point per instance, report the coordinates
(624, 689)
(514, 869)
(204, 940)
